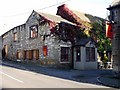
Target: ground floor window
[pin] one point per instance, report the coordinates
(18, 54)
(64, 54)
(6, 50)
(36, 54)
(90, 54)
(24, 54)
(45, 50)
(31, 54)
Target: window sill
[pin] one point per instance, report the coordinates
(64, 62)
(33, 37)
(78, 61)
(16, 41)
(91, 61)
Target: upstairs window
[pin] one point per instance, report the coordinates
(15, 37)
(34, 31)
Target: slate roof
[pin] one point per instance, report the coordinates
(84, 41)
(57, 18)
(81, 15)
(54, 18)
(114, 4)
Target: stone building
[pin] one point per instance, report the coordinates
(0, 47)
(48, 40)
(114, 19)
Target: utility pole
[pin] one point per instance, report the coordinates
(114, 19)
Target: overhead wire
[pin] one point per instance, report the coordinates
(37, 10)
(53, 5)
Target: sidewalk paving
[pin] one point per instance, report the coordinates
(84, 76)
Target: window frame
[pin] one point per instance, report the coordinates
(91, 53)
(29, 54)
(62, 60)
(15, 37)
(18, 55)
(45, 50)
(33, 31)
(36, 54)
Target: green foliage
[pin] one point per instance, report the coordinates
(98, 30)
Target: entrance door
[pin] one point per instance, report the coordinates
(77, 57)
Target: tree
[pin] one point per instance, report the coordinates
(103, 43)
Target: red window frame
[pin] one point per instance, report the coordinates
(45, 50)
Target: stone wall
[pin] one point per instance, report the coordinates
(44, 38)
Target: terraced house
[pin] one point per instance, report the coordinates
(52, 41)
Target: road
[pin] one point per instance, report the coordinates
(16, 78)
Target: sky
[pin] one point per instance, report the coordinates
(16, 12)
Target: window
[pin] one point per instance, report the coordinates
(36, 54)
(64, 54)
(18, 55)
(29, 54)
(34, 31)
(15, 37)
(24, 54)
(90, 54)
(45, 50)
(6, 50)
(78, 54)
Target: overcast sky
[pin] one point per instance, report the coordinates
(16, 12)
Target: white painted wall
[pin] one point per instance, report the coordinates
(78, 64)
(91, 65)
(83, 65)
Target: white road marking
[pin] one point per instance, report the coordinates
(12, 77)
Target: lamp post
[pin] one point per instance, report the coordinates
(114, 19)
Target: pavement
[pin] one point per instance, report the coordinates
(97, 77)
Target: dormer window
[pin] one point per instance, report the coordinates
(15, 37)
(34, 31)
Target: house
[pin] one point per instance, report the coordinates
(35, 42)
(50, 41)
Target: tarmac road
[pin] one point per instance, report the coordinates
(16, 78)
